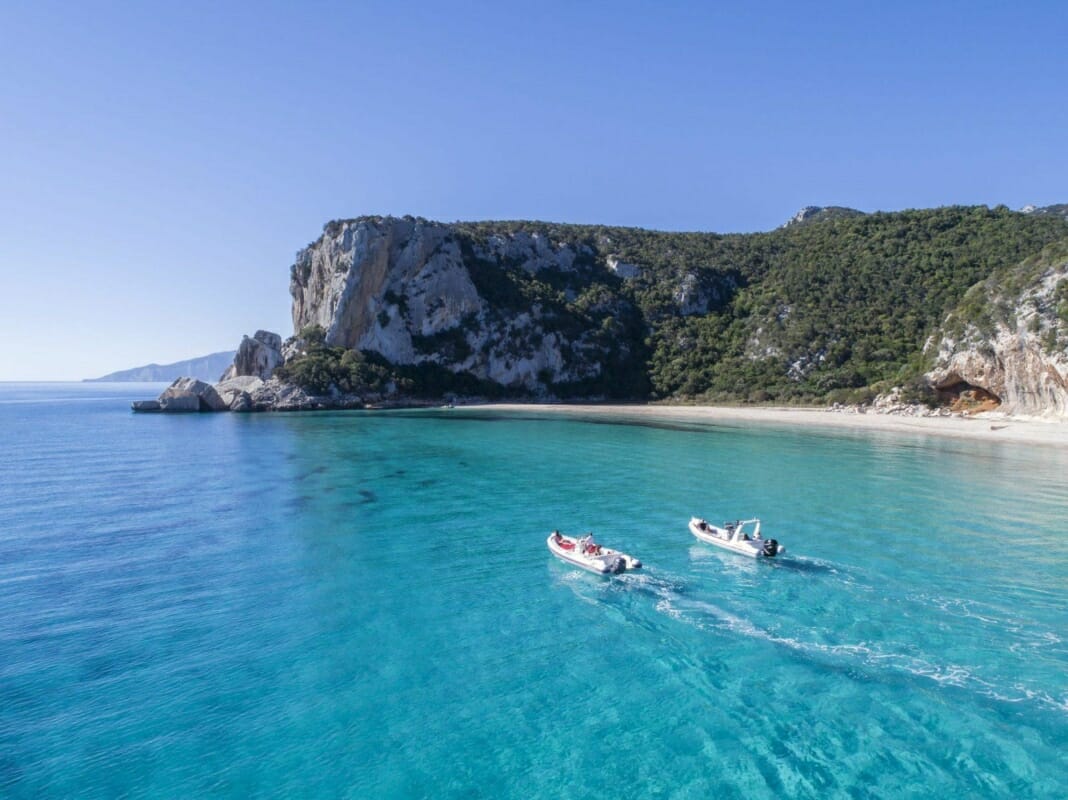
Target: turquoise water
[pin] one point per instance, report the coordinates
(362, 605)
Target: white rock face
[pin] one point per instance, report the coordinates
(803, 215)
(533, 251)
(177, 400)
(623, 269)
(400, 287)
(371, 284)
(1016, 363)
(258, 356)
(236, 392)
(689, 296)
(190, 394)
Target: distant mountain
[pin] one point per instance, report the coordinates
(207, 368)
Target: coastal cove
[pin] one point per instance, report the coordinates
(983, 427)
(361, 603)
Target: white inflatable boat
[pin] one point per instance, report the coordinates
(586, 553)
(733, 536)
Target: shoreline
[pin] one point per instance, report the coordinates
(994, 428)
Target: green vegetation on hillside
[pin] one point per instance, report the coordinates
(323, 368)
(996, 300)
(832, 309)
(806, 313)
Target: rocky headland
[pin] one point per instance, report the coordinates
(944, 311)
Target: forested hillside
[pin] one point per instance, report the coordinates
(836, 307)
(809, 312)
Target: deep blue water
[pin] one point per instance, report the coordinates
(362, 605)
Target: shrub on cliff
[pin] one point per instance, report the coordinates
(322, 369)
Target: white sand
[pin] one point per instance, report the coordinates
(992, 428)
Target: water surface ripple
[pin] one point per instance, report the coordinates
(362, 605)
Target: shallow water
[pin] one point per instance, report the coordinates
(362, 605)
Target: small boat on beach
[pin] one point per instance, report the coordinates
(586, 553)
(733, 536)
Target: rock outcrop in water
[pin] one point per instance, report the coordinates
(185, 394)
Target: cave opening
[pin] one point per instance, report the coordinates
(964, 397)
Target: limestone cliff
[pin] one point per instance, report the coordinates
(417, 292)
(1008, 340)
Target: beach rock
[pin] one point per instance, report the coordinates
(178, 400)
(242, 403)
(231, 389)
(176, 396)
(146, 405)
(274, 395)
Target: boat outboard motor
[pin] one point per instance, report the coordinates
(616, 565)
(771, 547)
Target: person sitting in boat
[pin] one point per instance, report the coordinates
(556, 537)
(589, 547)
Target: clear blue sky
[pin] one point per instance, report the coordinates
(160, 163)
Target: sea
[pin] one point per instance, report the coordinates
(362, 605)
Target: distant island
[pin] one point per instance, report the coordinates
(206, 368)
(961, 307)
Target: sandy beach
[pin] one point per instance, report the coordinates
(986, 427)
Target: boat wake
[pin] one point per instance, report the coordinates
(710, 562)
(879, 660)
(632, 596)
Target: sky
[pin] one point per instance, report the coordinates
(161, 163)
